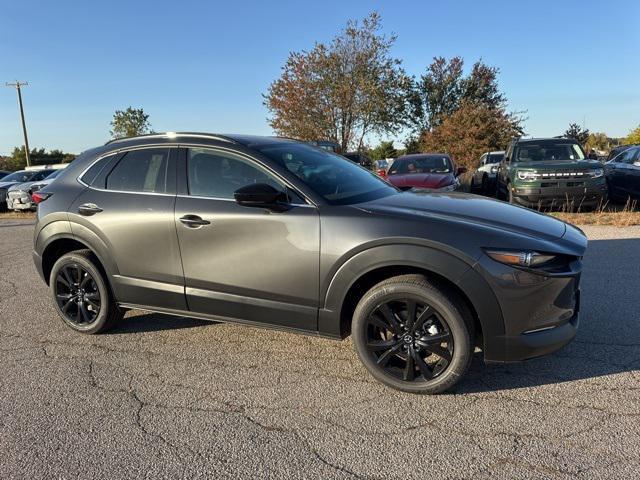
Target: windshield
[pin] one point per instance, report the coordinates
(53, 175)
(426, 164)
(495, 157)
(21, 176)
(336, 179)
(536, 152)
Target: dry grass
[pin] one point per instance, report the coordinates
(10, 215)
(607, 214)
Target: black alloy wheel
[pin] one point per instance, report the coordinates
(409, 339)
(77, 294)
(82, 296)
(413, 335)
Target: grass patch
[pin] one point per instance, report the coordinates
(607, 214)
(11, 215)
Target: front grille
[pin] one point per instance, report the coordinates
(561, 175)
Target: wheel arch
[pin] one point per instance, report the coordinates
(452, 274)
(76, 237)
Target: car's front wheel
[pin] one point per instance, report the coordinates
(411, 336)
(81, 294)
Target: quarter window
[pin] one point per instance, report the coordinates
(141, 171)
(217, 174)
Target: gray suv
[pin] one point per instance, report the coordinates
(273, 232)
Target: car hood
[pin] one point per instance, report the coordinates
(6, 185)
(421, 180)
(470, 208)
(560, 165)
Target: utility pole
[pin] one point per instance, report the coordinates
(17, 86)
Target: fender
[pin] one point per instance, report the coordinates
(458, 271)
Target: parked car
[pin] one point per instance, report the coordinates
(15, 178)
(382, 166)
(3, 173)
(623, 175)
(19, 195)
(425, 172)
(359, 158)
(269, 231)
(327, 145)
(550, 172)
(615, 151)
(483, 179)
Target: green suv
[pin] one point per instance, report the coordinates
(550, 172)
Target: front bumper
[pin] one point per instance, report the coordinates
(540, 312)
(560, 196)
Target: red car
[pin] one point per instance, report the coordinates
(425, 171)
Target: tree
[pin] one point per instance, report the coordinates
(442, 89)
(412, 145)
(474, 128)
(597, 141)
(633, 137)
(342, 91)
(39, 156)
(578, 133)
(129, 123)
(383, 150)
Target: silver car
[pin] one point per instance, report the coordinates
(19, 195)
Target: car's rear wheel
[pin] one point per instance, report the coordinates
(81, 294)
(411, 336)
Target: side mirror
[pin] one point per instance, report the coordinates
(260, 195)
(461, 170)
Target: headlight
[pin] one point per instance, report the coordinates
(596, 173)
(35, 188)
(520, 259)
(494, 169)
(528, 176)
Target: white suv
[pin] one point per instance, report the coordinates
(484, 178)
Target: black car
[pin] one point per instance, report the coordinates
(359, 158)
(623, 175)
(273, 232)
(615, 151)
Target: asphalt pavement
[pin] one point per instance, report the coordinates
(166, 397)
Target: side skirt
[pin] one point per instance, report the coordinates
(217, 318)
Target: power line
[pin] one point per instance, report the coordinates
(17, 86)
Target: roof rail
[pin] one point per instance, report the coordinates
(173, 135)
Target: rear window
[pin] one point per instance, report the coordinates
(141, 171)
(537, 152)
(426, 164)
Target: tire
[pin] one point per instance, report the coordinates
(485, 186)
(390, 352)
(81, 294)
(472, 184)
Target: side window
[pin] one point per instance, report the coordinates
(629, 156)
(217, 174)
(94, 170)
(141, 171)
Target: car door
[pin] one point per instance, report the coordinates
(239, 262)
(621, 169)
(633, 175)
(129, 206)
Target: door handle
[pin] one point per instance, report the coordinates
(88, 209)
(194, 221)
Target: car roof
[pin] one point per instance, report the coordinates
(422, 155)
(497, 152)
(546, 140)
(246, 140)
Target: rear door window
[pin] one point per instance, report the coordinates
(145, 170)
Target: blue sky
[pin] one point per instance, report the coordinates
(203, 66)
